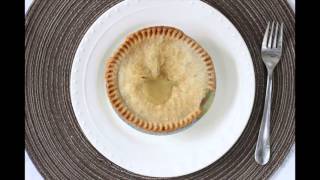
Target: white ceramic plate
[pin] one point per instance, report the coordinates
(189, 150)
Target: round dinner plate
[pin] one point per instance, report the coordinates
(193, 148)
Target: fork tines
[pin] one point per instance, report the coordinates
(273, 37)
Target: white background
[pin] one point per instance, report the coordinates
(285, 172)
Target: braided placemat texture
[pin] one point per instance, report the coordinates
(53, 137)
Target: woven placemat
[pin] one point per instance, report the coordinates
(53, 137)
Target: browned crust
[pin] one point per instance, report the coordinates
(113, 66)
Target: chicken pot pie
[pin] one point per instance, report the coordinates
(160, 80)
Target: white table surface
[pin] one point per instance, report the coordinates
(285, 172)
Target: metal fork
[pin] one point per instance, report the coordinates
(271, 52)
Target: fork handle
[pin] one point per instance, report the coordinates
(262, 153)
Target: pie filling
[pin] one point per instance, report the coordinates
(157, 90)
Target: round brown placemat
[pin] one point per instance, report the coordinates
(53, 137)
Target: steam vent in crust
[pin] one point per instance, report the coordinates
(160, 80)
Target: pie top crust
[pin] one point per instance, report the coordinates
(159, 79)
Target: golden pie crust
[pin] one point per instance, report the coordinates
(158, 79)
